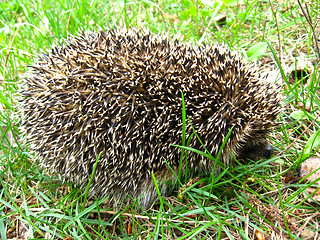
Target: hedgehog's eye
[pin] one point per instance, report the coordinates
(264, 150)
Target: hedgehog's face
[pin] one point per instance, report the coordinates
(253, 142)
(254, 151)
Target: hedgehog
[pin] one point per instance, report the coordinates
(112, 101)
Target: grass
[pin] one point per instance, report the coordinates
(264, 197)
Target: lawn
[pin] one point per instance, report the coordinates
(266, 199)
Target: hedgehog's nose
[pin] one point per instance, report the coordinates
(268, 152)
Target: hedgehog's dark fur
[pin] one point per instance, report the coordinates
(118, 93)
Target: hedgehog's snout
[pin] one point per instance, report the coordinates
(264, 150)
(268, 151)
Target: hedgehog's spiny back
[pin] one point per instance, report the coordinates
(118, 93)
